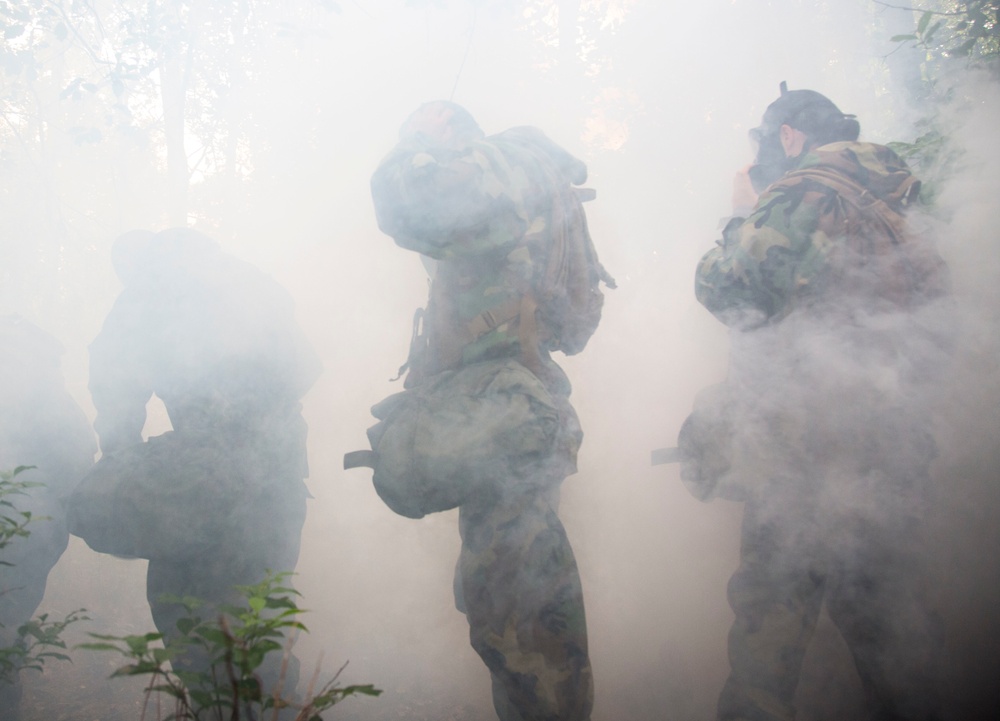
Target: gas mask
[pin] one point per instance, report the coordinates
(770, 162)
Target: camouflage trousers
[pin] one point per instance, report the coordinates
(795, 557)
(266, 538)
(518, 584)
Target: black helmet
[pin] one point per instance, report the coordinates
(812, 113)
(807, 111)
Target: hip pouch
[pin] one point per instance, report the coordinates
(174, 496)
(460, 434)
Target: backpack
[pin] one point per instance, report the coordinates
(568, 275)
(546, 281)
(881, 256)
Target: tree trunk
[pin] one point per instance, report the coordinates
(173, 89)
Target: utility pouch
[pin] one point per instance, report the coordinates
(458, 435)
(705, 443)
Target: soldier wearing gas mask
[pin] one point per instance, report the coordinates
(839, 313)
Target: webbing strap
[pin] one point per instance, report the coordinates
(495, 316)
(359, 459)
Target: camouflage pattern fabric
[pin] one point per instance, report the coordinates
(493, 214)
(137, 501)
(266, 539)
(841, 316)
(521, 592)
(460, 434)
(518, 275)
(831, 229)
(215, 338)
(867, 573)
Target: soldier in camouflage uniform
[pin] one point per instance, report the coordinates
(41, 426)
(483, 211)
(837, 307)
(216, 340)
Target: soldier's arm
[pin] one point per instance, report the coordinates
(448, 203)
(119, 387)
(756, 269)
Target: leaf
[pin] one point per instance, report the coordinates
(70, 89)
(61, 32)
(169, 689)
(53, 654)
(136, 669)
(214, 635)
(364, 689)
(147, 638)
(258, 604)
(98, 647)
(965, 48)
(902, 38)
(13, 31)
(924, 20)
(105, 637)
(282, 602)
(249, 689)
(933, 29)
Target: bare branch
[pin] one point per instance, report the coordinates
(916, 10)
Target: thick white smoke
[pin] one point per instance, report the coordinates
(657, 98)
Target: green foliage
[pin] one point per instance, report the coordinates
(932, 158)
(235, 645)
(39, 639)
(13, 523)
(957, 29)
(956, 36)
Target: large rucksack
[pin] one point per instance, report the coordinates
(879, 256)
(566, 284)
(528, 239)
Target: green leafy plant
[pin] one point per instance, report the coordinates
(234, 646)
(956, 29)
(13, 523)
(931, 156)
(954, 36)
(40, 639)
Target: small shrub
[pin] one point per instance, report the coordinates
(37, 640)
(235, 644)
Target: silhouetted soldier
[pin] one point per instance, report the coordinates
(485, 423)
(840, 323)
(216, 340)
(42, 426)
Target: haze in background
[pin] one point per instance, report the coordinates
(657, 98)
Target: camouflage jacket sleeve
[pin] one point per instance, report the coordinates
(833, 229)
(762, 261)
(120, 382)
(450, 204)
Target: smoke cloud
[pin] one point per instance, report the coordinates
(657, 99)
